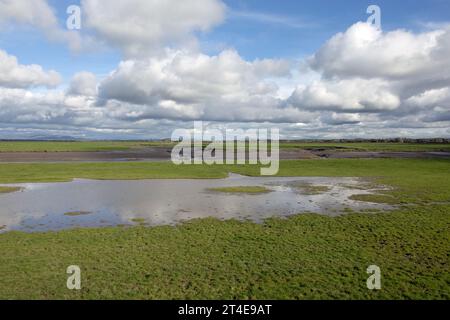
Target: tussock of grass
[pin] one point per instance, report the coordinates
(138, 220)
(243, 189)
(309, 189)
(375, 198)
(77, 213)
(9, 189)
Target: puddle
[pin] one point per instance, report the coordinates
(96, 203)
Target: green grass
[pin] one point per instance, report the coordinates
(91, 146)
(306, 256)
(58, 172)
(389, 168)
(73, 146)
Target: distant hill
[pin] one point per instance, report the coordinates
(45, 138)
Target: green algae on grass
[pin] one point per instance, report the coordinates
(138, 220)
(10, 189)
(242, 189)
(77, 213)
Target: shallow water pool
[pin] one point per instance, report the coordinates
(96, 203)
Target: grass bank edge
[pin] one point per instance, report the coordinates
(104, 146)
(67, 171)
(412, 180)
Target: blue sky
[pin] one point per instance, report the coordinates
(307, 67)
(251, 28)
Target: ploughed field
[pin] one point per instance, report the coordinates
(302, 256)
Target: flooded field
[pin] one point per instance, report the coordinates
(96, 203)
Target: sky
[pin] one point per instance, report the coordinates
(140, 69)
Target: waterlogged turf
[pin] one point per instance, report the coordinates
(306, 256)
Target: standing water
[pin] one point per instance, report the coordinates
(96, 203)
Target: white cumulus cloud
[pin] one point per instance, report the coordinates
(140, 26)
(83, 83)
(367, 52)
(357, 95)
(195, 85)
(15, 75)
(393, 73)
(39, 14)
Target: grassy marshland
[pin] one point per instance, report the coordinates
(306, 256)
